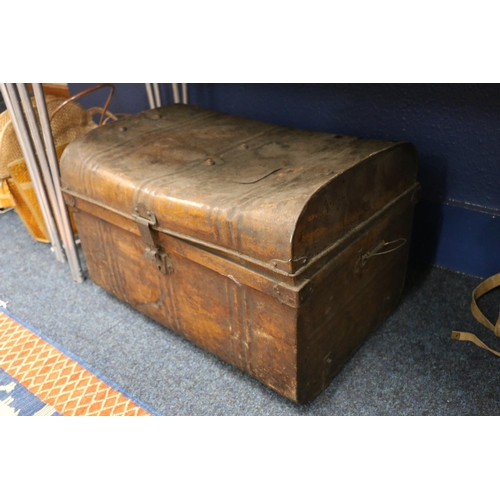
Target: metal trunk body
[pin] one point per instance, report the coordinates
(277, 249)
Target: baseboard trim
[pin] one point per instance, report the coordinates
(457, 236)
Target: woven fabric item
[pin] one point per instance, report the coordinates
(69, 123)
(6, 200)
(26, 204)
(5, 135)
(60, 383)
(22, 195)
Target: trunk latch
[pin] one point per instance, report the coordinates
(146, 220)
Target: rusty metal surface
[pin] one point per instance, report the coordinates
(276, 249)
(275, 194)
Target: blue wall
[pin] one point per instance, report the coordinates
(455, 129)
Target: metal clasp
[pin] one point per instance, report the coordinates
(145, 220)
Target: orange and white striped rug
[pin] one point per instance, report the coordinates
(36, 378)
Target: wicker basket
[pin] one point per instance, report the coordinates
(16, 189)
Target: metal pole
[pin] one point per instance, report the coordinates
(151, 99)
(175, 89)
(156, 89)
(65, 228)
(40, 151)
(19, 123)
(185, 93)
(149, 92)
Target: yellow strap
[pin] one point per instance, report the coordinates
(472, 338)
(483, 288)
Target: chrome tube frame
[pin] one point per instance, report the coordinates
(175, 90)
(151, 99)
(21, 129)
(65, 228)
(156, 89)
(184, 93)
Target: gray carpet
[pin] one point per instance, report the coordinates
(408, 367)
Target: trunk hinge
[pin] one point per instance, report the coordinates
(145, 220)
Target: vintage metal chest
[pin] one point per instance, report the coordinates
(279, 250)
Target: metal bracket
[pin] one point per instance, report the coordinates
(145, 220)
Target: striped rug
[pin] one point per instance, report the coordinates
(39, 378)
